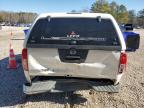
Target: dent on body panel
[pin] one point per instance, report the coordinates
(93, 65)
(35, 67)
(38, 58)
(112, 63)
(109, 59)
(35, 64)
(116, 54)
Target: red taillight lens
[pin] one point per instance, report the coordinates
(123, 62)
(123, 58)
(25, 59)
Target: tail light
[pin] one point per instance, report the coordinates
(123, 62)
(25, 59)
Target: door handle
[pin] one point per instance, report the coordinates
(72, 58)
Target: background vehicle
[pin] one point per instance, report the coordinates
(68, 52)
(131, 38)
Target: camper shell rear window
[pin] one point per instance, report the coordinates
(85, 31)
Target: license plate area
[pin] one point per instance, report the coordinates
(73, 55)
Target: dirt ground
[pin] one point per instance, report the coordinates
(131, 94)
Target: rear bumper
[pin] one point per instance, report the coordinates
(66, 85)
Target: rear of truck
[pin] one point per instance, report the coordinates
(68, 52)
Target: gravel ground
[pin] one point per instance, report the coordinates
(131, 94)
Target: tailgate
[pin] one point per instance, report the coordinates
(96, 64)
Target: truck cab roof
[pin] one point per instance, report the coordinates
(84, 15)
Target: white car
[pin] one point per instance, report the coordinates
(73, 51)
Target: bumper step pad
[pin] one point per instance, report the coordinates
(107, 88)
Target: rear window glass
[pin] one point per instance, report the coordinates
(87, 31)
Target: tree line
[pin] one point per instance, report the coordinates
(17, 17)
(120, 12)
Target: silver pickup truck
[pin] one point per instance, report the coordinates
(68, 52)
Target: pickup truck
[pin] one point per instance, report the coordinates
(131, 38)
(73, 51)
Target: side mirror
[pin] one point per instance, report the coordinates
(132, 41)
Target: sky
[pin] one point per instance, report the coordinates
(42, 6)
